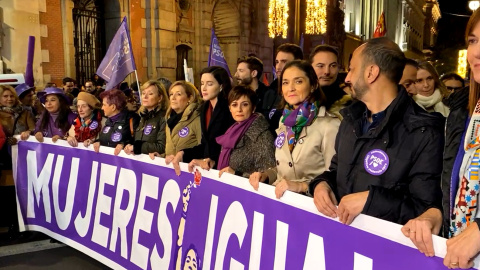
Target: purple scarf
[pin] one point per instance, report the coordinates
(230, 139)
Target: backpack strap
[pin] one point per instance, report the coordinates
(131, 126)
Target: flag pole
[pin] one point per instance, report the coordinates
(139, 89)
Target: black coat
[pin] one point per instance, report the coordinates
(263, 105)
(333, 92)
(454, 130)
(413, 141)
(271, 102)
(150, 135)
(120, 131)
(220, 121)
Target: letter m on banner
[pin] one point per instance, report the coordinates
(119, 61)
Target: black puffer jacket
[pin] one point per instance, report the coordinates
(120, 131)
(454, 130)
(413, 142)
(150, 135)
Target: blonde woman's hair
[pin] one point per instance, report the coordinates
(4, 88)
(474, 94)
(191, 91)
(164, 103)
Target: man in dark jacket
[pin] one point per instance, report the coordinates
(389, 151)
(324, 59)
(286, 52)
(249, 71)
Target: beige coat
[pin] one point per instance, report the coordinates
(191, 120)
(311, 155)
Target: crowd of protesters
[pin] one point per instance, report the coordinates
(391, 139)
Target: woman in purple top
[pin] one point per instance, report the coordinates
(57, 118)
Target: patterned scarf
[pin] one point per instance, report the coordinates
(466, 199)
(83, 130)
(296, 119)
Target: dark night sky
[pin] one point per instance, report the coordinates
(451, 33)
(452, 28)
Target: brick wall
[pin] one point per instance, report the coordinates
(52, 18)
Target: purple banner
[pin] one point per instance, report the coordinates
(118, 61)
(216, 57)
(133, 213)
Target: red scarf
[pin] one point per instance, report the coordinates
(88, 130)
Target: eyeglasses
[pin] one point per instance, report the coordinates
(451, 88)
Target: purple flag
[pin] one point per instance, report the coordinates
(301, 42)
(119, 61)
(216, 57)
(274, 72)
(29, 70)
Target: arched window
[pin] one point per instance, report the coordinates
(183, 52)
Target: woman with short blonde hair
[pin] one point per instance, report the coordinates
(150, 133)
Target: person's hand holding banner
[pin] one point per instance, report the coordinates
(175, 160)
(226, 170)
(156, 154)
(72, 141)
(128, 149)
(55, 138)
(24, 135)
(325, 200)
(285, 185)
(39, 136)
(87, 143)
(462, 248)
(351, 206)
(118, 149)
(257, 177)
(420, 230)
(205, 164)
(96, 147)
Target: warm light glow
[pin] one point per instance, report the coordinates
(316, 21)
(473, 5)
(462, 63)
(277, 18)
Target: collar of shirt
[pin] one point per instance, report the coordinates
(376, 119)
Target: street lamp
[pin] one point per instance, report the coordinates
(473, 5)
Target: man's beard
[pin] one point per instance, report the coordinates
(245, 81)
(359, 89)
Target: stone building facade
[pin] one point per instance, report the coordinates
(412, 24)
(73, 35)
